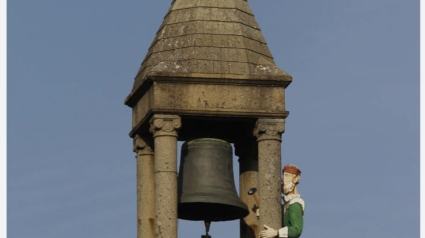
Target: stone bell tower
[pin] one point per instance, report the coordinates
(207, 73)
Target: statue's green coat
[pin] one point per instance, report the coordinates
(293, 219)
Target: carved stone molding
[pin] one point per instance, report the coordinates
(269, 129)
(143, 145)
(165, 125)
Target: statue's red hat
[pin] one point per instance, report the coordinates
(292, 169)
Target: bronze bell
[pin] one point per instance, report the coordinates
(206, 187)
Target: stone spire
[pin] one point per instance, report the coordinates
(209, 39)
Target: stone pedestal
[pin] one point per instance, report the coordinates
(269, 133)
(248, 178)
(164, 129)
(145, 187)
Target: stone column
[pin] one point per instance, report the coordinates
(164, 129)
(145, 187)
(269, 134)
(247, 152)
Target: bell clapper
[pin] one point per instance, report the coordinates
(207, 229)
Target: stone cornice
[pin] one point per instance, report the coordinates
(227, 79)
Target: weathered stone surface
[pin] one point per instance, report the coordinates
(199, 36)
(211, 99)
(269, 133)
(164, 129)
(145, 187)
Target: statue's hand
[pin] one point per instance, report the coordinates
(269, 232)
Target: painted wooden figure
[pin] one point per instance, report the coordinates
(293, 207)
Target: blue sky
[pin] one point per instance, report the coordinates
(353, 126)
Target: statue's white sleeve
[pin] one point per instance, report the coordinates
(283, 232)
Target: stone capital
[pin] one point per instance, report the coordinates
(269, 129)
(165, 125)
(143, 145)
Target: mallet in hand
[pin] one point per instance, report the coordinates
(252, 192)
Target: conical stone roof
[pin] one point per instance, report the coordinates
(215, 39)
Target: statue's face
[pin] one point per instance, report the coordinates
(288, 183)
